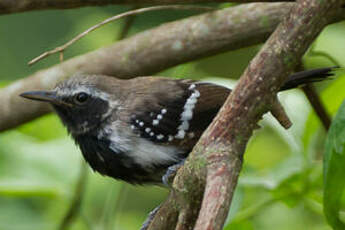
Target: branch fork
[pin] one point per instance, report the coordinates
(203, 189)
(225, 139)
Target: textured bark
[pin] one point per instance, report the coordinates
(148, 52)
(14, 6)
(222, 145)
(203, 189)
(151, 51)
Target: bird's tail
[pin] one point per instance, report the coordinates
(308, 76)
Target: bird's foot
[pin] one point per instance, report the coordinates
(171, 172)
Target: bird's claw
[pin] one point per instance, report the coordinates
(171, 172)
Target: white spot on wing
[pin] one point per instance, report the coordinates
(155, 122)
(180, 134)
(196, 94)
(184, 125)
(187, 115)
(191, 135)
(190, 102)
(191, 87)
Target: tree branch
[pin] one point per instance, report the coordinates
(63, 47)
(127, 24)
(179, 41)
(313, 97)
(15, 6)
(222, 145)
(151, 51)
(315, 101)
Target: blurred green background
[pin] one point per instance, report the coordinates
(280, 186)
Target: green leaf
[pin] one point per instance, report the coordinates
(334, 170)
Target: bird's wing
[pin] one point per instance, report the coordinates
(174, 112)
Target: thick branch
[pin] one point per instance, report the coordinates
(151, 51)
(251, 97)
(224, 142)
(14, 6)
(62, 48)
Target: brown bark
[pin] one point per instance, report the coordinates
(209, 177)
(222, 145)
(179, 42)
(15, 6)
(140, 54)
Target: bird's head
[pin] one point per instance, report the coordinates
(82, 102)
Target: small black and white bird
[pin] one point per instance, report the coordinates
(134, 130)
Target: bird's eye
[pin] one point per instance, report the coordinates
(81, 98)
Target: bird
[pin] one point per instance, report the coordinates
(141, 130)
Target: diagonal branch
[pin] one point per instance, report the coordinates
(179, 41)
(150, 52)
(315, 101)
(222, 145)
(15, 6)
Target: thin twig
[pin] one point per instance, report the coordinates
(74, 209)
(116, 17)
(140, 55)
(127, 25)
(314, 99)
(319, 108)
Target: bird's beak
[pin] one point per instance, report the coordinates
(47, 96)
